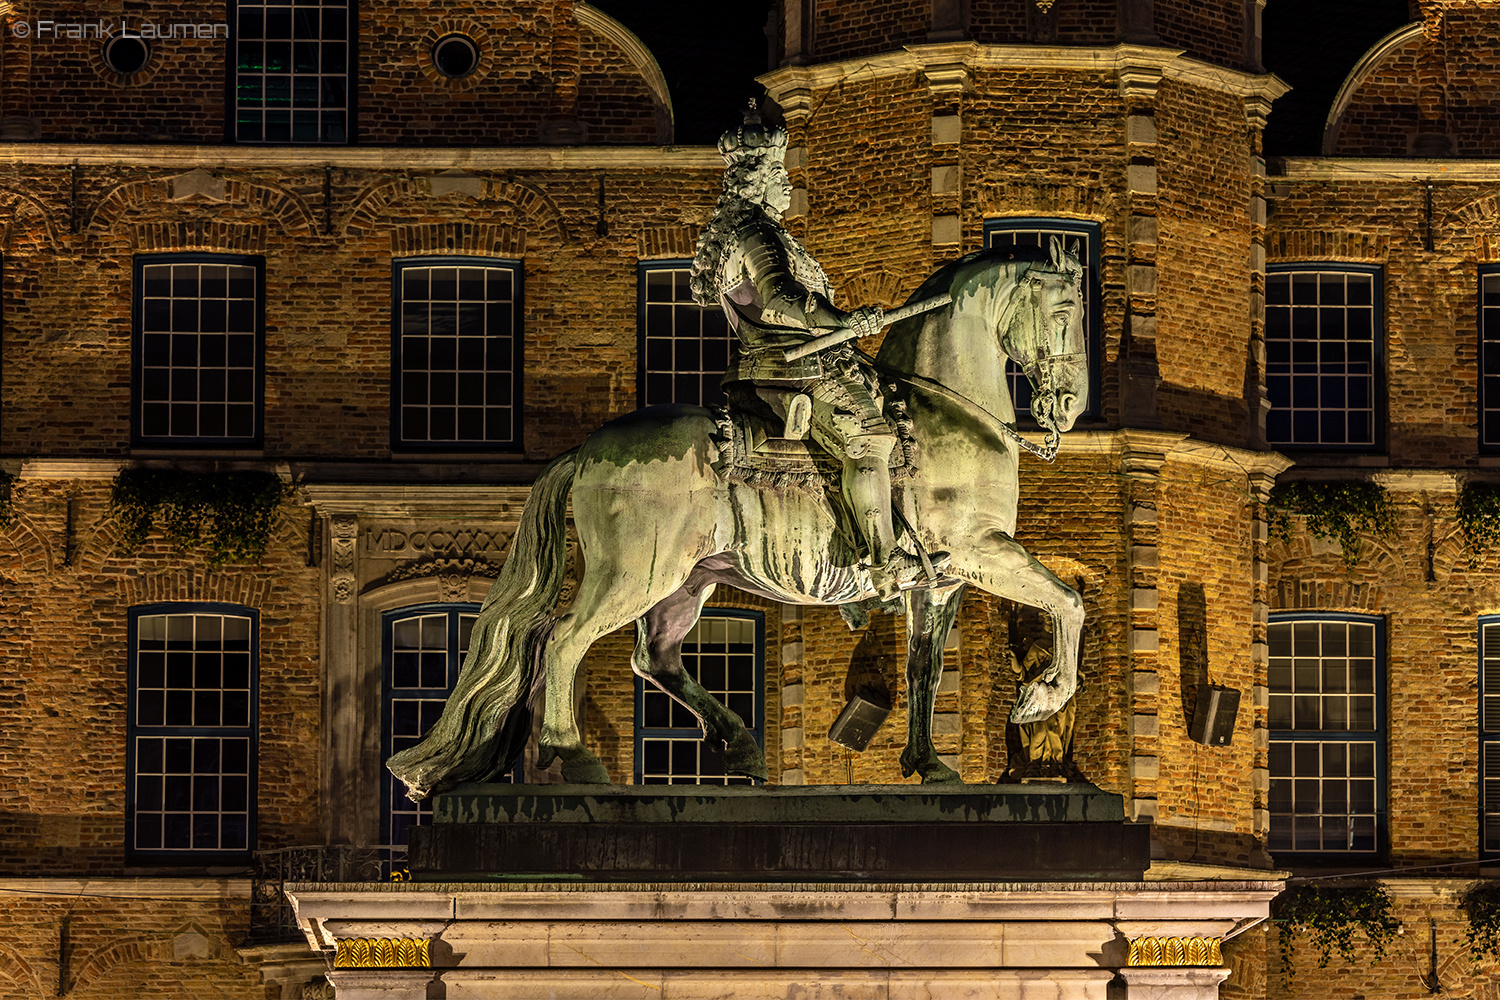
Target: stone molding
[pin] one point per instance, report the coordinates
(1173, 446)
(1357, 76)
(205, 889)
(393, 500)
(548, 158)
(1150, 950)
(945, 60)
(1387, 171)
(382, 953)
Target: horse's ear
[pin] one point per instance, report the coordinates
(1076, 251)
(1055, 249)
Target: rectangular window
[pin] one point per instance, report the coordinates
(684, 348)
(290, 78)
(725, 653)
(191, 731)
(1039, 233)
(457, 354)
(1323, 356)
(1489, 735)
(1489, 356)
(198, 349)
(1327, 735)
(424, 648)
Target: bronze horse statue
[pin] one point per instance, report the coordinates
(660, 527)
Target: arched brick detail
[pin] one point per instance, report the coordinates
(542, 218)
(19, 971)
(195, 583)
(1327, 245)
(32, 553)
(883, 288)
(667, 242)
(1064, 201)
(21, 212)
(289, 212)
(93, 548)
(1481, 217)
(137, 949)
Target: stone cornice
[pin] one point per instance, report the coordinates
(1169, 63)
(548, 158)
(1357, 76)
(395, 500)
(131, 888)
(1322, 168)
(1176, 446)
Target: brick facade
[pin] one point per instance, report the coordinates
(911, 127)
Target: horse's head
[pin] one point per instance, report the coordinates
(1042, 329)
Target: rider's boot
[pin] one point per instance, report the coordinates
(867, 486)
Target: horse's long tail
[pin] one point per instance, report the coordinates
(487, 720)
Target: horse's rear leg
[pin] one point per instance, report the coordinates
(658, 658)
(607, 600)
(929, 617)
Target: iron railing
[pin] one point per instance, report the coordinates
(271, 916)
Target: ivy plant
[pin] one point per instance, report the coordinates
(229, 514)
(1480, 903)
(1330, 916)
(1479, 517)
(7, 500)
(1336, 511)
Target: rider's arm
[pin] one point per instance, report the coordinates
(780, 292)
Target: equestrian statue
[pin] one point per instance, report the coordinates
(670, 501)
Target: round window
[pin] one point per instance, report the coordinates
(455, 55)
(126, 54)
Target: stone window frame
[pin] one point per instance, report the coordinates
(135, 733)
(682, 311)
(349, 75)
(1489, 734)
(1283, 778)
(1093, 292)
(515, 442)
(476, 33)
(1324, 406)
(392, 795)
(138, 423)
(691, 735)
(1487, 378)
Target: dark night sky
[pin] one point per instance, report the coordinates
(712, 51)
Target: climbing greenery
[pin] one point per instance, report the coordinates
(1481, 905)
(1479, 517)
(7, 500)
(1337, 511)
(1329, 916)
(228, 514)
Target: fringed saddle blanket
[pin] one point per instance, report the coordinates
(749, 454)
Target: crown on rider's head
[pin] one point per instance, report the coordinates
(752, 139)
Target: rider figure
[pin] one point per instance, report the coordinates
(776, 296)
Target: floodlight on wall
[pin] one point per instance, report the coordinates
(859, 720)
(1214, 713)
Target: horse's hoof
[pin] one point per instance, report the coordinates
(579, 766)
(938, 773)
(744, 756)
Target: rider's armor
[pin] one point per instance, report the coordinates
(776, 296)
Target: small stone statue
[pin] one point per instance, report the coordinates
(1041, 750)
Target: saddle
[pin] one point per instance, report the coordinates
(756, 448)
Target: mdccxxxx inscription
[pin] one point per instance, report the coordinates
(390, 541)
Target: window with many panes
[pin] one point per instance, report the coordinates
(1323, 355)
(291, 80)
(190, 738)
(198, 349)
(1082, 236)
(725, 653)
(457, 353)
(423, 650)
(1489, 356)
(684, 348)
(1489, 735)
(1327, 734)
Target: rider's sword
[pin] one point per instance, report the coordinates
(839, 336)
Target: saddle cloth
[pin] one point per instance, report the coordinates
(749, 452)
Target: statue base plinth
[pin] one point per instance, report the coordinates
(830, 833)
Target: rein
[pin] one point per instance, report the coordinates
(1047, 451)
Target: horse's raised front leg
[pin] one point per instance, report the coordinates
(1001, 566)
(658, 658)
(929, 616)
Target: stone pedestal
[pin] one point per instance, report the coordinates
(674, 893)
(824, 833)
